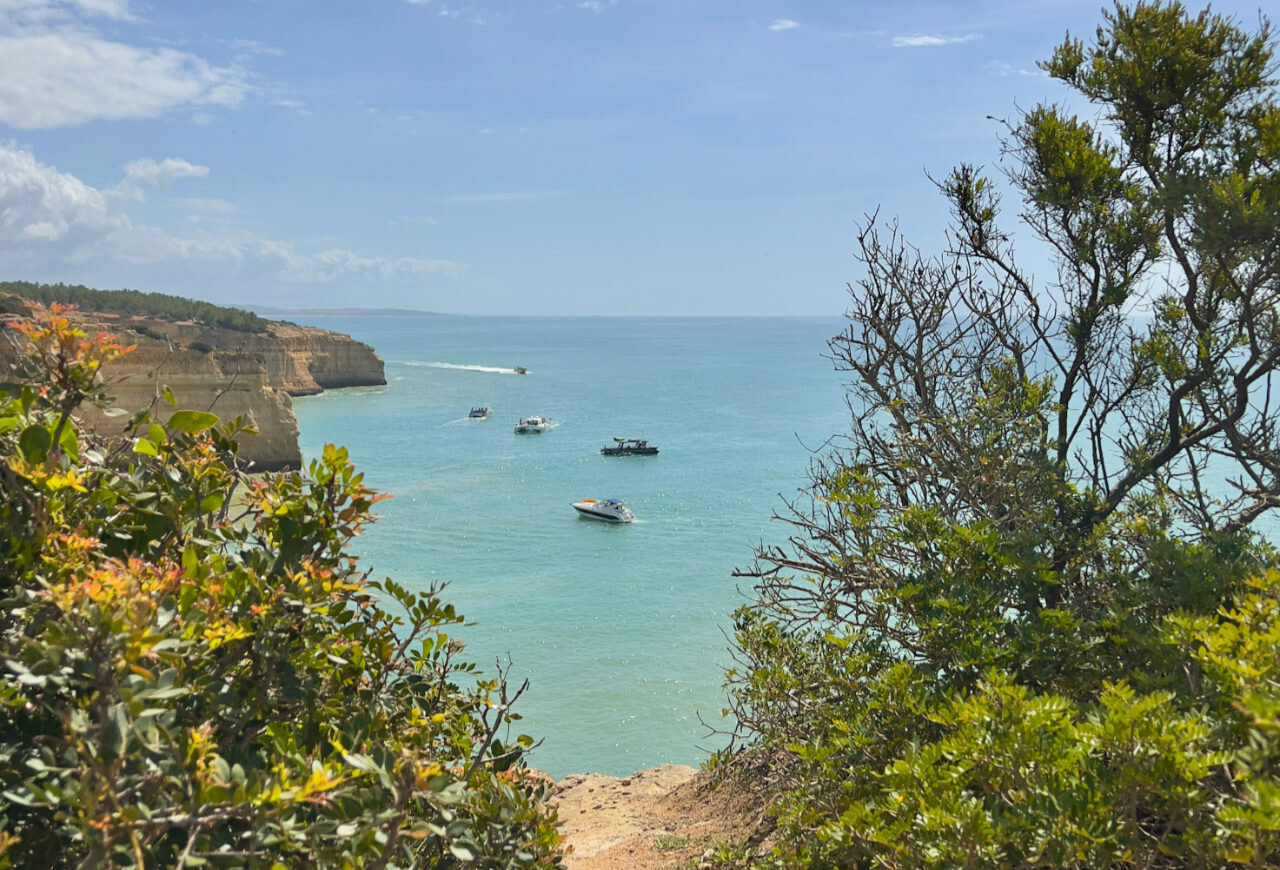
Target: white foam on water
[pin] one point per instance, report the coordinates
(497, 370)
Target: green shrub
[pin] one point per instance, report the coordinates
(144, 330)
(197, 673)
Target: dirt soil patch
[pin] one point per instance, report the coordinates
(656, 819)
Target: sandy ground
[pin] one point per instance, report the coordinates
(656, 819)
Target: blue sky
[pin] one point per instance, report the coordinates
(679, 157)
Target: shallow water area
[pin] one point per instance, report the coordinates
(619, 628)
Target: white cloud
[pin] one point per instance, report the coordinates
(784, 24)
(42, 209)
(105, 8)
(928, 41)
(151, 173)
(55, 79)
(466, 12)
(50, 218)
(597, 5)
(298, 106)
(1001, 68)
(46, 11)
(251, 47)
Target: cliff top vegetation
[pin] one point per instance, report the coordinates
(133, 303)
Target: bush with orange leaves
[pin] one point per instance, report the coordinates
(195, 679)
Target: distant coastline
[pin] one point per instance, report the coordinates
(339, 312)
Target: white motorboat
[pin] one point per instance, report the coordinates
(532, 424)
(610, 510)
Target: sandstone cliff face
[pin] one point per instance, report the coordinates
(226, 383)
(311, 360)
(301, 360)
(231, 374)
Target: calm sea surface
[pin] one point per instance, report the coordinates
(620, 629)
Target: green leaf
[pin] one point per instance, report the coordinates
(118, 730)
(69, 442)
(192, 422)
(145, 447)
(34, 443)
(213, 502)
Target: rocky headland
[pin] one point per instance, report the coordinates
(229, 373)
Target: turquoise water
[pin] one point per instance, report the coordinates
(620, 629)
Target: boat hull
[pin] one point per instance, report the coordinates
(598, 511)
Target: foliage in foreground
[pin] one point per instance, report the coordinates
(1026, 620)
(195, 673)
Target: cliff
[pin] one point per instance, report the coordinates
(302, 360)
(230, 373)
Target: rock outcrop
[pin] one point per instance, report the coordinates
(231, 373)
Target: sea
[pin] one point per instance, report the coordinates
(622, 631)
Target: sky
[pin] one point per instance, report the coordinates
(495, 157)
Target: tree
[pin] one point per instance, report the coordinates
(986, 640)
(195, 672)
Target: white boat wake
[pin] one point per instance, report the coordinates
(464, 368)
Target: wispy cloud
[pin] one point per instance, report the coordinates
(455, 12)
(251, 48)
(49, 219)
(597, 5)
(513, 196)
(151, 171)
(1001, 68)
(926, 41)
(45, 12)
(784, 24)
(148, 172)
(298, 106)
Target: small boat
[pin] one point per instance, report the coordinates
(520, 370)
(532, 424)
(480, 412)
(611, 510)
(630, 447)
